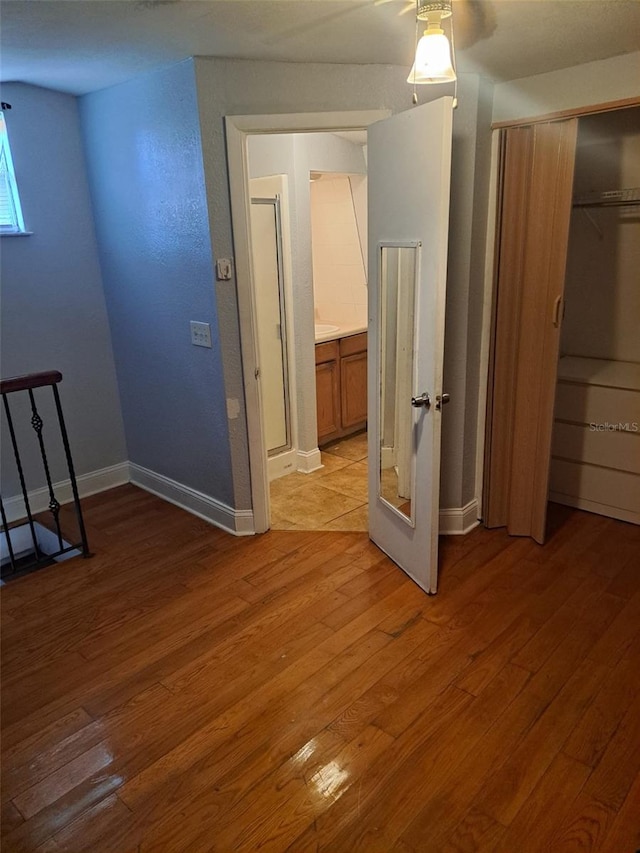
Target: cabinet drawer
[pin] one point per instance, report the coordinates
(353, 344)
(596, 404)
(327, 351)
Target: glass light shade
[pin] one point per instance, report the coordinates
(433, 60)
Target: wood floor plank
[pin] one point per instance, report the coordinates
(91, 829)
(624, 833)
(592, 734)
(10, 817)
(507, 792)
(39, 766)
(476, 832)
(620, 765)
(584, 826)
(360, 819)
(21, 751)
(187, 690)
(420, 767)
(542, 813)
(487, 764)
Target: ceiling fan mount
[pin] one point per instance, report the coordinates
(426, 10)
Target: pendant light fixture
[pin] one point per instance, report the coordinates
(433, 62)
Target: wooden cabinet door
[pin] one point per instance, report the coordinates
(353, 389)
(328, 399)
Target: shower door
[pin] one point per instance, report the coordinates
(409, 159)
(266, 249)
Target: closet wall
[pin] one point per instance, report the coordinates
(596, 442)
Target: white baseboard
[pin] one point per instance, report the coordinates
(282, 464)
(236, 521)
(88, 484)
(387, 457)
(309, 460)
(454, 521)
(459, 520)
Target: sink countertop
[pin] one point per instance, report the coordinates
(343, 332)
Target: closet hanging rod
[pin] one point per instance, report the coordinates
(609, 198)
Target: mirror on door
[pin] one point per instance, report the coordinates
(398, 272)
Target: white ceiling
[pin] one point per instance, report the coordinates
(86, 45)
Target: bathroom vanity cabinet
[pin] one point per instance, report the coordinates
(341, 387)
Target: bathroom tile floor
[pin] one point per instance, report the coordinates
(332, 498)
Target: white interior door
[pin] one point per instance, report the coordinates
(409, 176)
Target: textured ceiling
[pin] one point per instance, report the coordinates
(81, 46)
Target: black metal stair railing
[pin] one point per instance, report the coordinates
(37, 554)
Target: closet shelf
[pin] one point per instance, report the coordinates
(629, 197)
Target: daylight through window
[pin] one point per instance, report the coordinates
(11, 221)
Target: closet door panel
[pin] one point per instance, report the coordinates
(516, 162)
(533, 229)
(545, 255)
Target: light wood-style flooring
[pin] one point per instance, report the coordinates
(184, 690)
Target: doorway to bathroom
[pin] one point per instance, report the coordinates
(308, 217)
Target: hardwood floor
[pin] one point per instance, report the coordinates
(184, 690)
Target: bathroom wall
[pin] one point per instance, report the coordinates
(339, 284)
(601, 288)
(360, 205)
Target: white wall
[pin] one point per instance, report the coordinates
(579, 86)
(239, 87)
(602, 289)
(339, 285)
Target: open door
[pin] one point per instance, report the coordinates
(409, 159)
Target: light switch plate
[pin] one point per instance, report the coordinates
(200, 334)
(223, 269)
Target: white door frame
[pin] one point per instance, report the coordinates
(238, 128)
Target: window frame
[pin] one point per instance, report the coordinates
(16, 226)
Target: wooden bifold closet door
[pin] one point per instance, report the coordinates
(536, 173)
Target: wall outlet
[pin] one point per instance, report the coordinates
(200, 334)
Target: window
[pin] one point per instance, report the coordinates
(11, 221)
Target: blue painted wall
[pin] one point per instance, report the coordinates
(144, 156)
(53, 309)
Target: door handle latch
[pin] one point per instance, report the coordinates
(422, 400)
(441, 399)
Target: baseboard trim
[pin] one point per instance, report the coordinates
(453, 522)
(282, 464)
(88, 484)
(239, 522)
(457, 521)
(309, 460)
